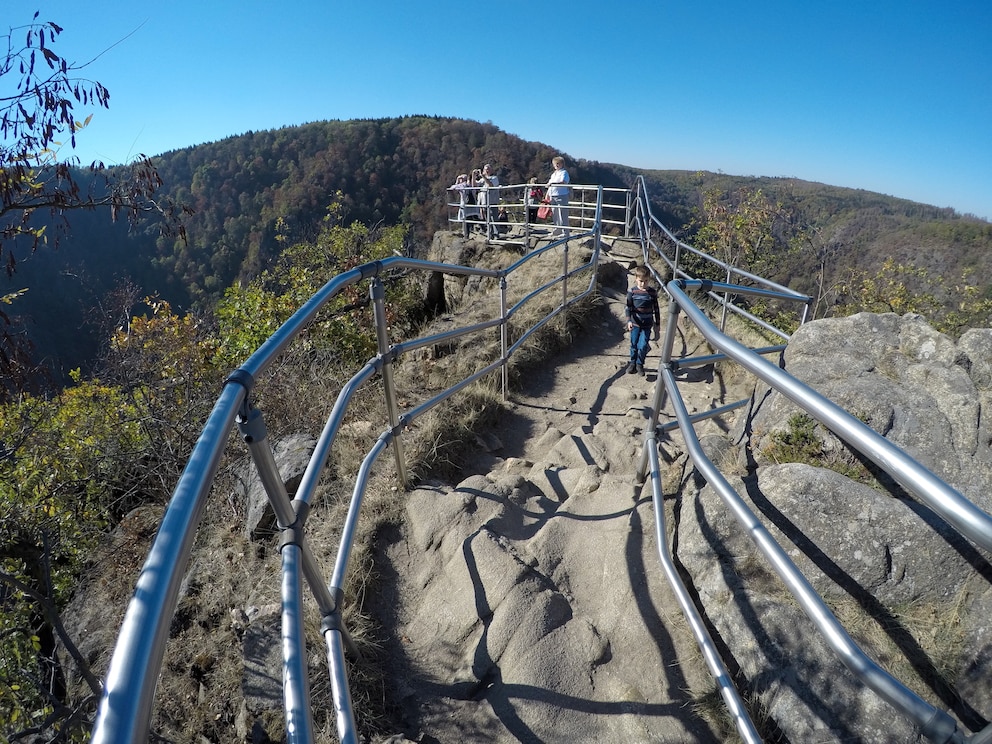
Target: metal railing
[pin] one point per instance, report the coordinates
(125, 708)
(659, 242)
(951, 505)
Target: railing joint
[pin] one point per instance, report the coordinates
(370, 269)
(293, 534)
(251, 423)
(333, 621)
(388, 357)
(245, 379)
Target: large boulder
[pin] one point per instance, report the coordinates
(909, 588)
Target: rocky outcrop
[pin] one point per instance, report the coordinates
(914, 592)
(530, 607)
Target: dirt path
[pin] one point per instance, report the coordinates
(528, 599)
(587, 384)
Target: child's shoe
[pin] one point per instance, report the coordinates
(640, 370)
(631, 368)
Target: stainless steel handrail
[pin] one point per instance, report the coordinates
(589, 206)
(962, 514)
(933, 722)
(646, 224)
(125, 707)
(948, 502)
(958, 511)
(718, 670)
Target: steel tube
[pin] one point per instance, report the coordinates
(967, 518)
(322, 451)
(703, 415)
(296, 684)
(125, 706)
(718, 670)
(354, 509)
(378, 295)
(344, 715)
(929, 718)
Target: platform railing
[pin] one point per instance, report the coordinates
(588, 206)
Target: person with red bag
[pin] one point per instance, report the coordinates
(534, 195)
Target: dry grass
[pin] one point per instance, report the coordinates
(921, 643)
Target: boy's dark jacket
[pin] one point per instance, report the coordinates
(642, 307)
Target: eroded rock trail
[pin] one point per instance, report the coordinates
(528, 603)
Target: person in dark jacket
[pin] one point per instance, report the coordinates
(643, 314)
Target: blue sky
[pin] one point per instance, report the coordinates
(884, 95)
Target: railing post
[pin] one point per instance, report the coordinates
(378, 293)
(665, 362)
(564, 275)
(504, 336)
(627, 214)
(726, 303)
(296, 680)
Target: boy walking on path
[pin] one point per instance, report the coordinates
(643, 314)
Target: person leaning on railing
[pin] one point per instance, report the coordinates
(488, 194)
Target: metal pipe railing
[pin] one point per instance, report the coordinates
(296, 681)
(588, 208)
(949, 503)
(647, 222)
(933, 722)
(125, 707)
(718, 670)
(129, 688)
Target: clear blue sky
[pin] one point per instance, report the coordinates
(893, 96)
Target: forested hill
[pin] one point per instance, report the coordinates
(254, 192)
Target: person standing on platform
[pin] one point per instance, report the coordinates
(557, 191)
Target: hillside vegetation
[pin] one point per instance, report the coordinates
(255, 192)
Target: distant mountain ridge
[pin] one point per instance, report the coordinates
(253, 192)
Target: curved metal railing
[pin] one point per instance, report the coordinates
(125, 707)
(954, 507)
(659, 242)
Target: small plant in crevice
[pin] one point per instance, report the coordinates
(805, 441)
(797, 443)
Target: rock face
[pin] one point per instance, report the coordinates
(533, 609)
(916, 593)
(528, 603)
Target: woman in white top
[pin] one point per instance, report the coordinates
(558, 196)
(466, 203)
